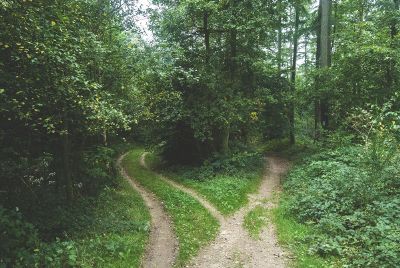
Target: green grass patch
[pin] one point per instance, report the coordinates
(118, 232)
(296, 238)
(194, 225)
(255, 220)
(227, 193)
(224, 181)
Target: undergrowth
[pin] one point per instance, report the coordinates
(109, 230)
(107, 225)
(352, 204)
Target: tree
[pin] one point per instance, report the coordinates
(293, 73)
(323, 57)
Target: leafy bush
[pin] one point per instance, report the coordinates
(97, 168)
(237, 164)
(18, 238)
(356, 211)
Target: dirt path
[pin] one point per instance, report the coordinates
(163, 245)
(234, 247)
(214, 212)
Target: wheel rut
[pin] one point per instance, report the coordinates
(214, 212)
(162, 248)
(233, 247)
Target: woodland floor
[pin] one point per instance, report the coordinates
(233, 246)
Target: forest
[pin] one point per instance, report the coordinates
(200, 133)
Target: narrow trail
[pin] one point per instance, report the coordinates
(162, 248)
(234, 247)
(214, 212)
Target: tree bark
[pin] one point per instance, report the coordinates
(225, 132)
(206, 36)
(66, 163)
(393, 28)
(293, 76)
(323, 61)
(279, 56)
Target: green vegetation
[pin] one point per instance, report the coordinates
(110, 230)
(211, 81)
(119, 230)
(255, 220)
(224, 181)
(296, 238)
(352, 202)
(194, 225)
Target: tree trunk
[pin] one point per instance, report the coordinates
(232, 61)
(293, 77)
(323, 61)
(224, 136)
(206, 36)
(105, 142)
(317, 106)
(66, 163)
(393, 28)
(279, 56)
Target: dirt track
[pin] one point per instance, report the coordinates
(163, 245)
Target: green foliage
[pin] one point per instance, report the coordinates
(296, 237)
(108, 225)
(66, 79)
(353, 205)
(229, 89)
(225, 180)
(18, 237)
(194, 225)
(97, 168)
(255, 220)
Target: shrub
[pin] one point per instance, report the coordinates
(355, 209)
(18, 238)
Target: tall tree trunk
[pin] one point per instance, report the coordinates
(392, 62)
(393, 28)
(317, 101)
(324, 59)
(66, 162)
(225, 132)
(293, 76)
(306, 54)
(105, 141)
(206, 36)
(232, 56)
(279, 56)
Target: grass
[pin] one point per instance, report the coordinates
(255, 220)
(115, 233)
(295, 236)
(226, 192)
(194, 225)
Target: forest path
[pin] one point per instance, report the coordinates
(214, 212)
(162, 248)
(233, 247)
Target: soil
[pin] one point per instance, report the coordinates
(233, 247)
